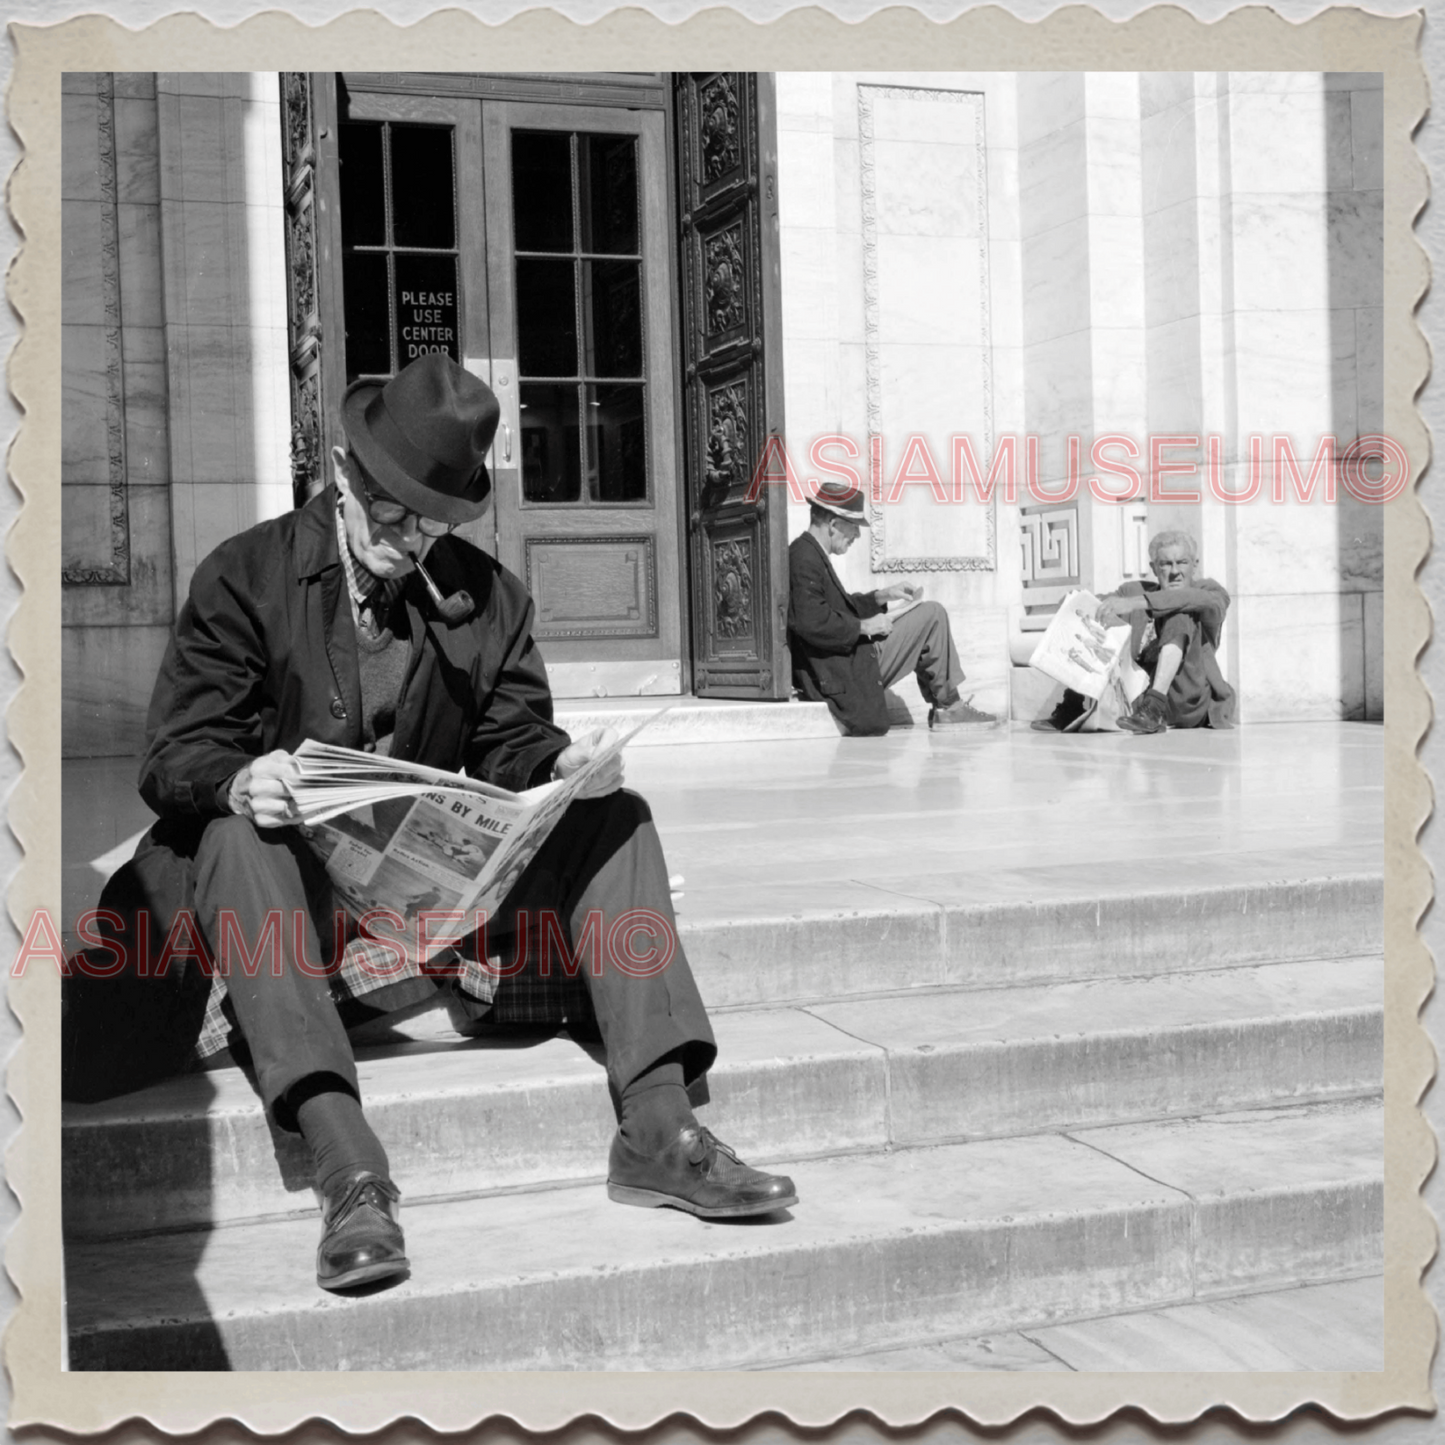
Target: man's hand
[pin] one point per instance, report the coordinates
(1114, 610)
(261, 791)
(875, 627)
(572, 759)
(898, 592)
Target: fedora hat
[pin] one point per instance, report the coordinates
(423, 435)
(842, 500)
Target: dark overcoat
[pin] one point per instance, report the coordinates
(264, 656)
(831, 661)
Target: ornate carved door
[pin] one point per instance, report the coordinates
(733, 399)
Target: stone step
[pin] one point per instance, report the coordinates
(699, 720)
(882, 1249)
(917, 1068)
(945, 931)
(1338, 1327)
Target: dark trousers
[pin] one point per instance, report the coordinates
(603, 857)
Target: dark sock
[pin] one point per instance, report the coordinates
(655, 1108)
(341, 1140)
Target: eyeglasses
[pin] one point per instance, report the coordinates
(391, 513)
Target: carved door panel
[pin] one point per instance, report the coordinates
(733, 398)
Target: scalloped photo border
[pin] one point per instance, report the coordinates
(985, 40)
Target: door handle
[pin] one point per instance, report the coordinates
(500, 373)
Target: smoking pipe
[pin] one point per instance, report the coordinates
(453, 608)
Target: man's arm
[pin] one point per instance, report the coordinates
(515, 742)
(816, 618)
(204, 722)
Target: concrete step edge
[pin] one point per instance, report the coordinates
(958, 1239)
(792, 1083)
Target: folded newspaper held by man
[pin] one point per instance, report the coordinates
(401, 838)
(1082, 653)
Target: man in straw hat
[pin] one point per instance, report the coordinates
(846, 648)
(316, 625)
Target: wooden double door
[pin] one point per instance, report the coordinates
(528, 226)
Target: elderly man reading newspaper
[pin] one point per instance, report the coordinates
(361, 622)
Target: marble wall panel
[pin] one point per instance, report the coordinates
(206, 159)
(1163, 90)
(1005, 266)
(137, 151)
(1121, 398)
(213, 415)
(85, 527)
(81, 229)
(1282, 142)
(1053, 180)
(1008, 391)
(1003, 193)
(1289, 548)
(929, 289)
(80, 146)
(103, 709)
(204, 516)
(927, 189)
(1116, 271)
(805, 178)
(270, 406)
(1175, 379)
(1361, 545)
(1301, 656)
(811, 400)
(84, 447)
(1370, 370)
(1058, 392)
(1056, 282)
(147, 444)
(78, 82)
(847, 186)
(1285, 378)
(211, 83)
(1048, 101)
(1112, 94)
(1356, 248)
(141, 291)
(1367, 139)
(849, 310)
(805, 100)
(934, 390)
(853, 390)
(1169, 173)
(1281, 255)
(810, 284)
(924, 115)
(1171, 264)
(135, 84)
(1374, 646)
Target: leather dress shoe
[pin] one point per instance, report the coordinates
(696, 1173)
(360, 1237)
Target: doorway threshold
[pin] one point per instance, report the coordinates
(698, 720)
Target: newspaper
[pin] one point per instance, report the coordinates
(1080, 652)
(401, 838)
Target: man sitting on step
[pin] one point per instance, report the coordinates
(846, 648)
(1177, 622)
(316, 625)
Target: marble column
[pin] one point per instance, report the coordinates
(225, 306)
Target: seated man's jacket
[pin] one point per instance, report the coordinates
(264, 656)
(1199, 695)
(831, 661)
